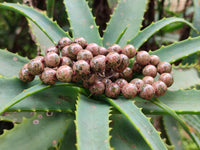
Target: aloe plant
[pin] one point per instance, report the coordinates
(65, 116)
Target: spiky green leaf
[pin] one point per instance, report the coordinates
(92, 124)
(128, 13)
(139, 121)
(50, 28)
(50, 8)
(41, 39)
(195, 19)
(60, 97)
(179, 119)
(11, 63)
(178, 50)
(172, 131)
(40, 132)
(182, 102)
(145, 34)
(81, 20)
(69, 139)
(184, 77)
(124, 135)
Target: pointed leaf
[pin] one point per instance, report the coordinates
(179, 119)
(42, 40)
(40, 132)
(57, 98)
(11, 63)
(125, 136)
(182, 102)
(184, 77)
(69, 139)
(128, 13)
(139, 121)
(195, 19)
(145, 34)
(51, 29)
(192, 120)
(92, 124)
(172, 131)
(81, 20)
(178, 50)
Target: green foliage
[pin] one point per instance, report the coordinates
(66, 116)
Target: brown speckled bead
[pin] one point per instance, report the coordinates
(149, 70)
(143, 58)
(84, 55)
(66, 61)
(52, 49)
(64, 51)
(138, 82)
(103, 51)
(64, 73)
(89, 80)
(113, 59)
(36, 66)
(76, 77)
(160, 88)
(52, 59)
(25, 75)
(129, 90)
(121, 82)
(41, 58)
(112, 90)
(124, 62)
(127, 74)
(147, 92)
(93, 48)
(97, 88)
(82, 68)
(148, 80)
(154, 60)
(98, 63)
(115, 48)
(137, 68)
(115, 76)
(164, 67)
(48, 76)
(81, 41)
(65, 41)
(106, 81)
(73, 50)
(129, 50)
(167, 79)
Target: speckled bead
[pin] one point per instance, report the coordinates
(115, 48)
(149, 70)
(35, 66)
(167, 79)
(160, 88)
(82, 68)
(52, 59)
(25, 75)
(81, 41)
(48, 76)
(164, 67)
(64, 73)
(129, 50)
(147, 92)
(129, 90)
(112, 90)
(97, 88)
(143, 58)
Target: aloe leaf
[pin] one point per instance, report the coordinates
(172, 131)
(59, 97)
(124, 135)
(184, 77)
(121, 35)
(192, 120)
(145, 34)
(139, 121)
(11, 63)
(195, 19)
(50, 28)
(179, 119)
(50, 8)
(15, 117)
(81, 20)
(69, 139)
(41, 39)
(181, 101)
(41, 132)
(92, 124)
(178, 50)
(128, 13)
